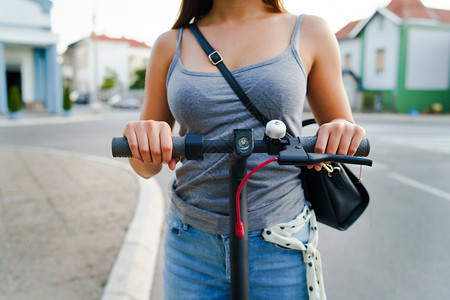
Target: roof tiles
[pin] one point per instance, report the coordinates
(405, 9)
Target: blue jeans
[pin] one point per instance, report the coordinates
(197, 265)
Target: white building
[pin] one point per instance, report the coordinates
(401, 56)
(87, 62)
(28, 57)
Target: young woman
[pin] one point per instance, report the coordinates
(279, 59)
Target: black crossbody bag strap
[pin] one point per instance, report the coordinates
(217, 60)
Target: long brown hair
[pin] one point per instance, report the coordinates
(196, 9)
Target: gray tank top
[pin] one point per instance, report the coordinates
(203, 102)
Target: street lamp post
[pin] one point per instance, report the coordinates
(96, 105)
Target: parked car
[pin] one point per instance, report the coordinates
(127, 103)
(82, 99)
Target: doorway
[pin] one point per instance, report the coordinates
(14, 78)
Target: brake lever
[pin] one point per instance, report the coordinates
(295, 154)
(316, 158)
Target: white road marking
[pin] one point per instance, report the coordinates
(421, 186)
(439, 144)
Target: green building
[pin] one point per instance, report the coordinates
(400, 57)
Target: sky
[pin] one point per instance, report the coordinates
(145, 20)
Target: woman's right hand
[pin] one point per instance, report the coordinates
(151, 142)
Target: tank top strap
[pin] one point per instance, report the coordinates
(180, 34)
(295, 40)
(176, 57)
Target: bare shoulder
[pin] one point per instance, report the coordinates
(165, 45)
(316, 27)
(168, 38)
(317, 41)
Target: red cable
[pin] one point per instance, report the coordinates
(239, 226)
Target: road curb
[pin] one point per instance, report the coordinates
(132, 273)
(49, 120)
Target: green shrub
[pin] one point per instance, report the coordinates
(108, 83)
(110, 80)
(368, 100)
(67, 103)
(14, 99)
(140, 79)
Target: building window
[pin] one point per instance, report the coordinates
(380, 61)
(348, 62)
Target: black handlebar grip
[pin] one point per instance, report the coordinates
(309, 143)
(179, 148)
(120, 147)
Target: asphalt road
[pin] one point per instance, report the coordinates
(397, 250)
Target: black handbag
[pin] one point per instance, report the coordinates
(336, 195)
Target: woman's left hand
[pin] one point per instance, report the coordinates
(339, 136)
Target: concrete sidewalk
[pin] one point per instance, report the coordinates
(31, 118)
(63, 224)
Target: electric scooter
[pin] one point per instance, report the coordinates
(298, 151)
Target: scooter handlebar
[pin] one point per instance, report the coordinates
(120, 147)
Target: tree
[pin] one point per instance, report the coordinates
(139, 83)
(111, 79)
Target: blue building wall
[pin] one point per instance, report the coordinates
(44, 72)
(54, 82)
(47, 79)
(3, 91)
(40, 75)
